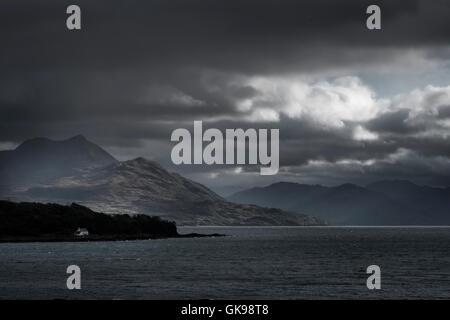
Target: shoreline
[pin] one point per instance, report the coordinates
(111, 238)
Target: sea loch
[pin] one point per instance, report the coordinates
(251, 263)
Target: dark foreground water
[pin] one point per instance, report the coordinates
(252, 263)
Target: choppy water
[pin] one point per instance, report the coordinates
(252, 263)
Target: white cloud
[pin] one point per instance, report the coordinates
(423, 102)
(362, 134)
(325, 103)
(263, 114)
(330, 104)
(169, 96)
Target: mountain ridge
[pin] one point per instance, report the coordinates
(350, 204)
(41, 160)
(139, 186)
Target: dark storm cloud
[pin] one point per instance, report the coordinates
(444, 112)
(393, 122)
(241, 35)
(139, 69)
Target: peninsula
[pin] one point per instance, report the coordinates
(33, 222)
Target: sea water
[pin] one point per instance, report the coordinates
(250, 263)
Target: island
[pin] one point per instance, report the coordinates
(39, 222)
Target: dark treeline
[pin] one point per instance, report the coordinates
(37, 220)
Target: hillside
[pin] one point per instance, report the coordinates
(142, 186)
(382, 203)
(137, 186)
(41, 160)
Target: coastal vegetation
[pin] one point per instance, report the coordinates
(36, 221)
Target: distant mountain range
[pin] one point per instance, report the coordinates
(77, 170)
(380, 203)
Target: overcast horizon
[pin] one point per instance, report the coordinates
(352, 105)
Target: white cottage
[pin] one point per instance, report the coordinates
(81, 232)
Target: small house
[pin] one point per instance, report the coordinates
(81, 232)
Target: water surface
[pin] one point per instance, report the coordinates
(251, 263)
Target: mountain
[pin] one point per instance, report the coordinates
(95, 179)
(433, 202)
(142, 186)
(41, 160)
(381, 203)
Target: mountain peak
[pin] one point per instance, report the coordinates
(283, 183)
(78, 137)
(41, 160)
(392, 183)
(140, 160)
(41, 142)
(142, 163)
(348, 186)
(33, 142)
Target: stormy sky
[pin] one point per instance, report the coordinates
(352, 105)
